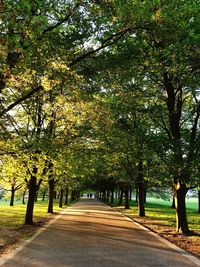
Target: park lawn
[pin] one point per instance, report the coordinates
(14, 216)
(12, 228)
(163, 213)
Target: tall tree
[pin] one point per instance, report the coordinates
(160, 52)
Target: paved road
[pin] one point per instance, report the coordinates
(91, 234)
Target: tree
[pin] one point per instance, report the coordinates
(160, 51)
(36, 165)
(12, 175)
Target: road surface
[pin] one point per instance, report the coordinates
(91, 234)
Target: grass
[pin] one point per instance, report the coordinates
(14, 216)
(160, 210)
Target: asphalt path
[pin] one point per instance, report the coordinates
(91, 234)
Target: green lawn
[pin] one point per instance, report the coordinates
(14, 216)
(191, 203)
(160, 210)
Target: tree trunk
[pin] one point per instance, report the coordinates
(104, 196)
(23, 198)
(120, 198)
(174, 104)
(136, 195)
(127, 205)
(107, 196)
(130, 193)
(145, 196)
(66, 195)
(180, 191)
(43, 194)
(112, 196)
(101, 195)
(198, 201)
(33, 187)
(36, 196)
(140, 184)
(12, 196)
(78, 194)
(61, 198)
(72, 196)
(51, 194)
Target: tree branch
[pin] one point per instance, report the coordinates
(21, 99)
(60, 22)
(106, 43)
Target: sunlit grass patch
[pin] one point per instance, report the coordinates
(14, 216)
(160, 212)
